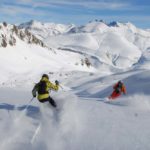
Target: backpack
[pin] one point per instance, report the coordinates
(42, 87)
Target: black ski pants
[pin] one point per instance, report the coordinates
(50, 100)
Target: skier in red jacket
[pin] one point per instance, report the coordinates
(119, 88)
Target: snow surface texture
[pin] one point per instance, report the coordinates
(84, 120)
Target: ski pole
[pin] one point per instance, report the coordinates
(28, 103)
(61, 87)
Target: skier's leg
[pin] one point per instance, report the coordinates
(114, 95)
(52, 102)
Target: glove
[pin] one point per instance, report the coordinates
(56, 82)
(34, 92)
(34, 95)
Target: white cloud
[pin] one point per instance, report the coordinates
(24, 1)
(16, 10)
(73, 3)
(104, 5)
(89, 4)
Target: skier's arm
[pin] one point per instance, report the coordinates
(35, 90)
(53, 86)
(124, 89)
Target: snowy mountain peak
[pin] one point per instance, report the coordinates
(130, 26)
(93, 26)
(49, 29)
(127, 25)
(100, 26)
(114, 24)
(96, 20)
(10, 34)
(30, 24)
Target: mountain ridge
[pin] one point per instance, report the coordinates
(109, 46)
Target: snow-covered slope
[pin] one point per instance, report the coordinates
(21, 52)
(116, 44)
(83, 120)
(87, 63)
(29, 60)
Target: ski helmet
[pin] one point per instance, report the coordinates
(119, 81)
(45, 75)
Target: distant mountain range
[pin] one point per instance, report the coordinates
(106, 46)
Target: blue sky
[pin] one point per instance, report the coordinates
(76, 11)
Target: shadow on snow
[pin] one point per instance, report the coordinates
(30, 111)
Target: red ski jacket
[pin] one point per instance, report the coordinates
(123, 88)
